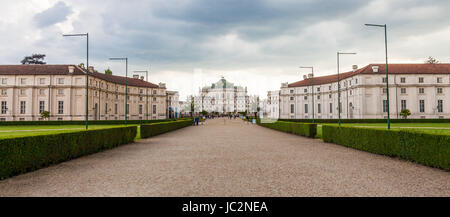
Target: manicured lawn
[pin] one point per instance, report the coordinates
(434, 128)
(29, 130)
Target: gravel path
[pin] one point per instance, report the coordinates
(231, 159)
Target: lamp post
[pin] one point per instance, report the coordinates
(387, 73)
(126, 84)
(312, 84)
(146, 101)
(339, 84)
(87, 70)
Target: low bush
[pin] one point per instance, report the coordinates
(427, 149)
(366, 121)
(20, 155)
(302, 129)
(149, 130)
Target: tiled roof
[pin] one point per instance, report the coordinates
(64, 70)
(440, 68)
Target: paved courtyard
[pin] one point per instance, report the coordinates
(231, 158)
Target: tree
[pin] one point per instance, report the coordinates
(405, 113)
(431, 60)
(45, 114)
(81, 65)
(204, 113)
(108, 72)
(34, 59)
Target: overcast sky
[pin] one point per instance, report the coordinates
(258, 44)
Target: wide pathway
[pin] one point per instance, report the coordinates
(231, 158)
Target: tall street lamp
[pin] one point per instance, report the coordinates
(339, 84)
(312, 84)
(126, 84)
(146, 100)
(387, 73)
(87, 71)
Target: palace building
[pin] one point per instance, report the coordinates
(28, 90)
(424, 89)
(225, 97)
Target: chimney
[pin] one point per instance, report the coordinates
(142, 78)
(162, 85)
(91, 69)
(71, 69)
(355, 67)
(136, 76)
(375, 69)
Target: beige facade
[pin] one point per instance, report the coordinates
(424, 89)
(27, 90)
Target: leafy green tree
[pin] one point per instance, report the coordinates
(108, 72)
(45, 114)
(34, 59)
(431, 60)
(81, 65)
(405, 113)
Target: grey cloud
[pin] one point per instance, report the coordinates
(56, 14)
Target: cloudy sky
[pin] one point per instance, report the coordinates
(258, 44)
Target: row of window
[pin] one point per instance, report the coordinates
(439, 80)
(439, 90)
(41, 80)
(23, 105)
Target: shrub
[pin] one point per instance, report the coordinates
(424, 148)
(23, 154)
(149, 130)
(302, 129)
(368, 120)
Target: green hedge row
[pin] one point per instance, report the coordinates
(302, 129)
(428, 149)
(149, 130)
(93, 122)
(368, 120)
(20, 155)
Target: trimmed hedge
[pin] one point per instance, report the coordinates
(302, 129)
(366, 121)
(427, 149)
(93, 122)
(24, 154)
(149, 130)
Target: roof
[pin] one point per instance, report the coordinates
(423, 68)
(36, 69)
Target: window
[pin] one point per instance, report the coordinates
(384, 90)
(154, 92)
(4, 107)
(439, 80)
(329, 96)
(383, 80)
(291, 91)
(4, 92)
(60, 80)
(60, 107)
(305, 97)
(292, 98)
(154, 109)
(23, 81)
(421, 90)
(23, 91)
(385, 104)
(422, 105)
(292, 108)
(141, 91)
(41, 80)
(117, 96)
(41, 106)
(340, 107)
(356, 81)
(319, 108)
(115, 108)
(106, 108)
(305, 90)
(331, 108)
(22, 107)
(140, 109)
(318, 89)
(318, 96)
(127, 109)
(329, 87)
(421, 80)
(41, 92)
(439, 90)
(141, 99)
(154, 99)
(4, 81)
(61, 91)
(306, 108)
(403, 102)
(403, 90)
(402, 80)
(351, 92)
(440, 106)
